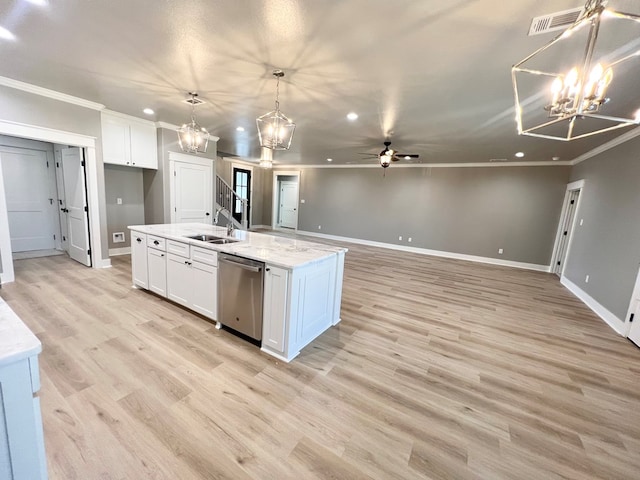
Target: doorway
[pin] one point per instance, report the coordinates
(242, 187)
(566, 227)
(51, 135)
(285, 200)
(633, 314)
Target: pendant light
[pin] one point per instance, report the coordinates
(275, 130)
(192, 137)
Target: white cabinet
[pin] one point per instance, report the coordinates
(129, 141)
(157, 264)
(192, 278)
(139, 272)
(275, 308)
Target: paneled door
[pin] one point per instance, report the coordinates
(30, 201)
(76, 205)
(288, 213)
(191, 192)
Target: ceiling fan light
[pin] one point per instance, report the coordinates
(385, 161)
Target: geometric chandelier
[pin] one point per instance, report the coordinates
(192, 137)
(584, 81)
(275, 130)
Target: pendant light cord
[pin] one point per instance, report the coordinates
(277, 93)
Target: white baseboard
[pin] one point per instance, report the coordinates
(435, 253)
(613, 321)
(256, 227)
(119, 251)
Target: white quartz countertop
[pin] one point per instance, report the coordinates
(16, 340)
(278, 251)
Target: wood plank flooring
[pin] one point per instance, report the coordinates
(440, 369)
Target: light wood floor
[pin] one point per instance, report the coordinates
(440, 369)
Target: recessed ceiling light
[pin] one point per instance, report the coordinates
(520, 154)
(148, 111)
(407, 157)
(6, 34)
(240, 129)
(352, 116)
(329, 159)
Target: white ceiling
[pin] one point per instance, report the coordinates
(433, 75)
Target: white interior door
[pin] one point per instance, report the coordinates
(288, 213)
(62, 203)
(30, 202)
(633, 314)
(566, 229)
(76, 205)
(191, 192)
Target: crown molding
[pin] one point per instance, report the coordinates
(619, 140)
(436, 165)
(45, 92)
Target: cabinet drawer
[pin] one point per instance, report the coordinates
(137, 237)
(178, 248)
(158, 243)
(202, 255)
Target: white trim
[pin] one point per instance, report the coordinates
(7, 274)
(113, 252)
(625, 137)
(577, 185)
(275, 192)
(128, 118)
(613, 321)
(435, 253)
(46, 134)
(434, 165)
(45, 92)
(240, 161)
(632, 305)
(186, 158)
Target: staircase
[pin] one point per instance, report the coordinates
(226, 199)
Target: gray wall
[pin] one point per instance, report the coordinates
(469, 210)
(607, 246)
(23, 107)
(125, 183)
(156, 183)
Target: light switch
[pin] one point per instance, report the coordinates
(119, 201)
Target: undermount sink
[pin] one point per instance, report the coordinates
(212, 239)
(222, 241)
(204, 237)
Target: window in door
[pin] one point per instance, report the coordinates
(242, 187)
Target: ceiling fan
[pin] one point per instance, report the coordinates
(388, 155)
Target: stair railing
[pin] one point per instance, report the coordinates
(227, 198)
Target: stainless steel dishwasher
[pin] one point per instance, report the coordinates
(240, 284)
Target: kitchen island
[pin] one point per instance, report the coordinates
(302, 280)
(21, 437)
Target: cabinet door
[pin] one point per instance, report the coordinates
(116, 141)
(139, 260)
(144, 146)
(204, 289)
(179, 281)
(275, 308)
(157, 263)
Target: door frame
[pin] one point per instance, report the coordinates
(274, 200)
(573, 186)
(249, 167)
(632, 306)
(61, 137)
(185, 158)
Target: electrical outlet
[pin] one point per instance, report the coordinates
(409, 239)
(302, 200)
(319, 227)
(581, 221)
(118, 237)
(500, 251)
(586, 279)
(400, 238)
(118, 201)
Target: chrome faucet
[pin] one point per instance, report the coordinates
(229, 227)
(217, 214)
(229, 220)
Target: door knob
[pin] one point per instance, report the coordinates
(207, 214)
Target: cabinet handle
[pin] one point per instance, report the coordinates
(162, 254)
(138, 239)
(156, 242)
(267, 269)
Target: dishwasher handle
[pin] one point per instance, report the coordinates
(251, 268)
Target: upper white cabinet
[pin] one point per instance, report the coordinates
(129, 141)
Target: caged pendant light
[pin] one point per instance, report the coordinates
(192, 137)
(275, 130)
(583, 82)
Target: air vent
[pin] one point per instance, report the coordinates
(554, 21)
